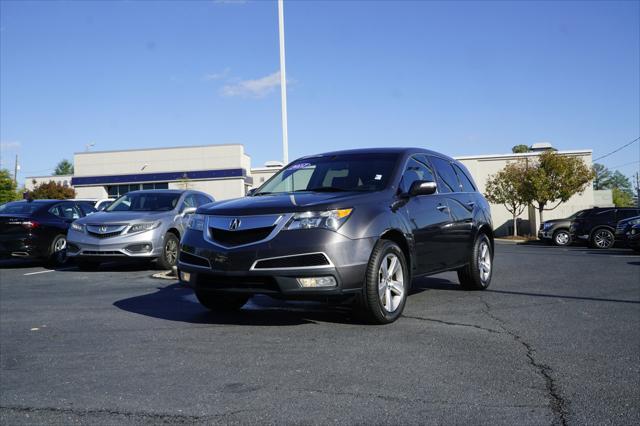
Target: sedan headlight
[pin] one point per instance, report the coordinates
(77, 227)
(142, 227)
(196, 222)
(330, 219)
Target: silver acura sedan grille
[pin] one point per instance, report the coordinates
(105, 231)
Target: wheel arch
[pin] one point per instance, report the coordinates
(398, 237)
(174, 231)
(486, 229)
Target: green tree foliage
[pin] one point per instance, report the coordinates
(622, 198)
(51, 190)
(64, 167)
(601, 175)
(520, 149)
(554, 179)
(506, 188)
(7, 187)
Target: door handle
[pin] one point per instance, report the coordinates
(471, 204)
(442, 208)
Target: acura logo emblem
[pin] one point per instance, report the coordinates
(235, 224)
(103, 228)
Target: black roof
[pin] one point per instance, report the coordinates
(395, 150)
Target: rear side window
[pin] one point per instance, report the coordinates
(605, 216)
(86, 208)
(627, 213)
(65, 211)
(202, 200)
(416, 170)
(465, 181)
(448, 180)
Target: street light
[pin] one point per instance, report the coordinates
(283, 84)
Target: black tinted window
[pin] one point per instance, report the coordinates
(86, 208)
(22, 207)
(202, 200)
(627, 213)
(605, 215)
(65, 211)
(465, 181)
(416, 170)
(448, 181)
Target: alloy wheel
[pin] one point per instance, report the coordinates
(603, 239)
(562, 238)
(390, 282)
(484, 261)
(171, 251)
(60, 250)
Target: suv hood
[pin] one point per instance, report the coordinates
(101, 218)
(290, 202)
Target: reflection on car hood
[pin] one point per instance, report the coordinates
(283, 203)
(123, 217)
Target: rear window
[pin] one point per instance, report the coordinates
(19, 207)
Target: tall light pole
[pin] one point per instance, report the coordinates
(283, 85)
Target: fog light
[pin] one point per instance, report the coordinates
(317, 282)
(139, 248)
(185, 276)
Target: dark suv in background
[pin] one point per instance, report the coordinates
(556, 231)
(355, 225)
(597, 226)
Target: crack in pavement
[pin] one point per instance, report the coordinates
(140, 415)
(556, 400)
(459, 324)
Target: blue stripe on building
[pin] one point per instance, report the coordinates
(158, 177)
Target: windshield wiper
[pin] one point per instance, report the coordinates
(328, 189)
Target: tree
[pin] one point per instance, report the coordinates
(619, 181)
(51, 190)
(601, 175)
(507, 188)
(555, 178)
(7, 187)
(64, 167)
(621, 198)
(520, 149)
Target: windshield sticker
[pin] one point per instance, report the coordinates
(299, 166)
(378, 177)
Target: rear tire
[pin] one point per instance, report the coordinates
(222, 302)
(169, 257)
(386, 285)
(602, 238)
(88, 265)
(478, 272)
(561, 238)
(57, 255)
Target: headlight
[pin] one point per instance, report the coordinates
(634, 221)
(142, 227)
(330, 219)
(546, 225)
(196, 222)
(77, 227)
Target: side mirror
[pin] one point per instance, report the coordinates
(188, 211)
(422, 187)
(251, 192)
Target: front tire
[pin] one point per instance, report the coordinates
(561, 238)
(169, 256)
(478, 272)
(58, 251)
(221, 302)
(386, 284)
(602, 239)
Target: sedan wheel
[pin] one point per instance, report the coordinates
(602, 239)
(58, 254)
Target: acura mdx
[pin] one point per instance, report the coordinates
(355, 225)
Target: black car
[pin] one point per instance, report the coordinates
(624, 227)
(355, 225)
(633, 237)
(556, 231)
(597, 226)
(38, 229)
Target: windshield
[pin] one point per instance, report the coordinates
(19, 207)
(577, 214)
(144, 202)
(349, 172)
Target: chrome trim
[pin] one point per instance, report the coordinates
(246, 223)
(330, 265)
(193, 264)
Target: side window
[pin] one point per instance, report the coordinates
(202, 200)
(447, 177)
(57, 211)
(70, 211)
(626, 214)
(86, 209)
(606, 216)
(465, 181)
(189, 201)
(416, 170)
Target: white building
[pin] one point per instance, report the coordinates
(33, 181)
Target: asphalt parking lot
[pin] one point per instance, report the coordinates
(555, 340)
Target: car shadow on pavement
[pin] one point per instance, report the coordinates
(177, 302)
(560, 296)
(421, 284)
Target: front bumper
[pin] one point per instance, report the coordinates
(234, 270)
(83, 245)
(544, 235)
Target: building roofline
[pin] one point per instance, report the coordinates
(48, 176)
(161, 148)
(521, 154)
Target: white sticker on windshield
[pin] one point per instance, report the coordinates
(299, 166)
(378, 177)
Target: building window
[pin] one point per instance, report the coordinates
(116, 191)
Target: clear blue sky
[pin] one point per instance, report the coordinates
(458, 77)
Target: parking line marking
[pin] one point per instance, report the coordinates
(47, 271)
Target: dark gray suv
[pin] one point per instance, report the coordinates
(355, 225)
